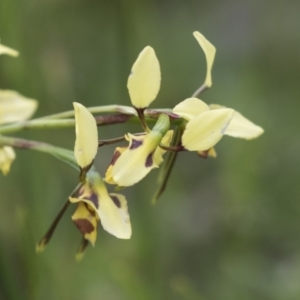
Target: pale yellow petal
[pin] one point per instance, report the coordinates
(108, 174)
(159, 152)
(144, 80)
(205, 130)
(14, 107)
(210, 52)
(137, 160)
(190, 108)
(8, 51)
(86, 144)
(7, 156)
(113, 213)
(241, 127)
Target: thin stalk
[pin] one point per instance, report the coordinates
(46, 238)
(200, 90)
(94, 110)
(62, 154)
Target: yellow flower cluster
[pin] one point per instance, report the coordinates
(204, 126)
(13, 108)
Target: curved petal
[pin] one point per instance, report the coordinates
(7, 156)
(14, 107)
(108, 174)
(205, 130)
(210, 52)
(137, 160)
(86, 144)
(113, 213)
(241, 127)
(8, 51)
(190, 108)
(144, 80)
(110, 208)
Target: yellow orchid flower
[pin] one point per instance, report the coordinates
(131, 164)
(144, 80)
(207, 124)
(13, 108)
(96, 204)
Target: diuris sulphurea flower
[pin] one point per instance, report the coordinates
(131, 164)
(94, 202)
(207, 124)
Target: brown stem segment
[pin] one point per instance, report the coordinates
(46, 238)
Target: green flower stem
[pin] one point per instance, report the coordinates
(37, 124)
(167, 167)
(62, 154)
(128, 110)
(46, 238)
(48, 123)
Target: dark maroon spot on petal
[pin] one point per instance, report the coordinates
(84, 226)
(116, 201)
(90, 209)
(115, 157)
(94, 199)
(135, 144)
(149, 160)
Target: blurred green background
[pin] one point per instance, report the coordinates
(225, 229)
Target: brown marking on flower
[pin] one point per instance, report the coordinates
(116, 200)
(135, 144)
(84, 225)
(149, 160)
(94, 200)
(116, 155)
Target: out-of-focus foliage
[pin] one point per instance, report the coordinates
(226, 228)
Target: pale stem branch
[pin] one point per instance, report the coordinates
(200, 90)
